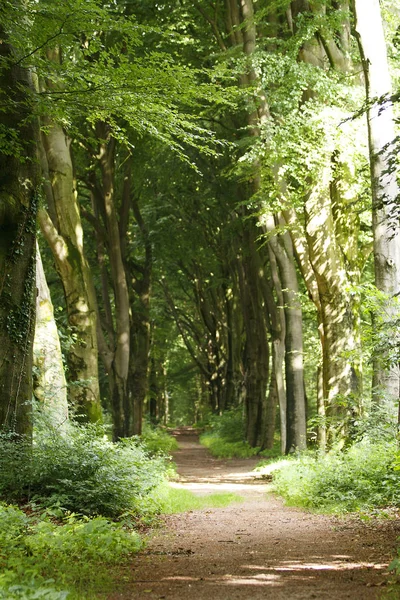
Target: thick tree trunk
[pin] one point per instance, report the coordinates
(62, 228)
(385, 191)
(332, 241)
(19, 197)
(50, 386)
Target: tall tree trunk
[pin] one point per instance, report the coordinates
(62, 229)
(332, 241)
(50, 386)
(385, 191)
(19, 197)
(294, 371)
(256, 353)
(118, 366)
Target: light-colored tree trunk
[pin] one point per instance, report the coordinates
(385, 191)
(50, 386)
(61, 226)
(332, 242)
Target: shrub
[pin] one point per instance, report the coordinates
(361, 478)
(224, 436)
(224, 449)
(81, 471)
(158, 441)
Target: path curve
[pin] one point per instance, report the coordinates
(258, 549)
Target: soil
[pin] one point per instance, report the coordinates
(258, 548)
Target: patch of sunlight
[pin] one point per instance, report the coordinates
(267, 469)
(295, 566)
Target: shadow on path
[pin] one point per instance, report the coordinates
(257, 549)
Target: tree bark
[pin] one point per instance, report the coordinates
(294, 372)
(385, 191)
(19, 197)
(64, 234)
(50, 386)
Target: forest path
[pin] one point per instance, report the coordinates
(258, 548)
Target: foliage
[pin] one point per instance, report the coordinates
(158, 440)
(363, 477)
(41, 559)
(80, 470)
(225, 436)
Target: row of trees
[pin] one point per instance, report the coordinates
(197, 175)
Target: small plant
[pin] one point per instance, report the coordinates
(41, 559)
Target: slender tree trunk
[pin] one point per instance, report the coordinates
(385, 191)
(19, 182)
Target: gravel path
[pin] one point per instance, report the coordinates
(257, 549)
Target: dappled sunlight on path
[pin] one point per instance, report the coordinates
(258, 548)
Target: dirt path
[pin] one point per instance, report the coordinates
(258, 548)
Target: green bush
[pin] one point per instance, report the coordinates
(40, 559)
(224, 436)
(221, 448)
(158, 441)
(81, 471)
(361, 478)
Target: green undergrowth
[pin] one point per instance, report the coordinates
(80, 470)
(221, 448)
(177, 500)
(158, 441)
(364, 477)
(224, 437)
(57, 559)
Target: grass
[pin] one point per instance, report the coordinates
(177, 500)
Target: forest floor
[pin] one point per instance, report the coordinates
(257, 548)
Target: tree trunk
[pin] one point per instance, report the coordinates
(50, 386)
(256, 353)
(62, 229)
(117, 361)
(294, 372)
(385, 191)
(19, 197)
(332, 242)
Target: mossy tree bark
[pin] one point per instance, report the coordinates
(19, 181)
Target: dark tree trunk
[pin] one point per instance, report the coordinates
(19, 181)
